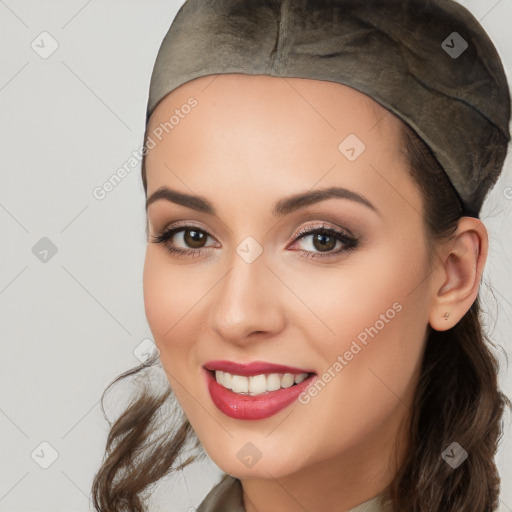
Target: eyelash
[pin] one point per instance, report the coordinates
(350, 242)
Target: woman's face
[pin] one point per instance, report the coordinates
(258, 284)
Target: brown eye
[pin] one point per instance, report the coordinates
(193, 238)
(183, 240)
(324, 242)
(321, 242)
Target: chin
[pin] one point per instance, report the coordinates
(258, 460)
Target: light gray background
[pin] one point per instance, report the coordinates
(70, 325)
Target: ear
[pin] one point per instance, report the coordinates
(459, 267)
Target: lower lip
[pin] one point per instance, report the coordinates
(246, 407)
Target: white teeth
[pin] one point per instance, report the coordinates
(273, 382)
(227, 380)
(258, 384)
(240, 384)
(299, 378)
(287, 380)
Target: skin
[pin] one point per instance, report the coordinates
(249, 142)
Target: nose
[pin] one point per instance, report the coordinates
(247, 303)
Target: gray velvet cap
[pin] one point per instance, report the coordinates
(430, 62)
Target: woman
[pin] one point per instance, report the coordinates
(314, 173)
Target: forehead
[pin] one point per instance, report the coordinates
(266, 133)
(295, 113)
(320, 95)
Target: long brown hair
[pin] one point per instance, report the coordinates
(457, 399)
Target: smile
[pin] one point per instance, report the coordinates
(258, 384)
(256, 390)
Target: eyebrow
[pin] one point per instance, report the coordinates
(282, 207)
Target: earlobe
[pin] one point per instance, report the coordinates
(459, 271)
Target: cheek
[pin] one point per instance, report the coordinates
(169, 299)
(371, 361)
(156, 294)
(374, 317)
(369, 292)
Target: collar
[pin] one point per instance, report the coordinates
(226, 496)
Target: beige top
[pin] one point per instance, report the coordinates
(226, 496)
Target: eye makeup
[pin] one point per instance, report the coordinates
(321, 233)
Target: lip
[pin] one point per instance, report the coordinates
(253, 368)
(247, 407)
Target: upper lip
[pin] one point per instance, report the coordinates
(252, 368)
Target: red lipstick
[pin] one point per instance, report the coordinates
(246, 407)
(254, 368)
